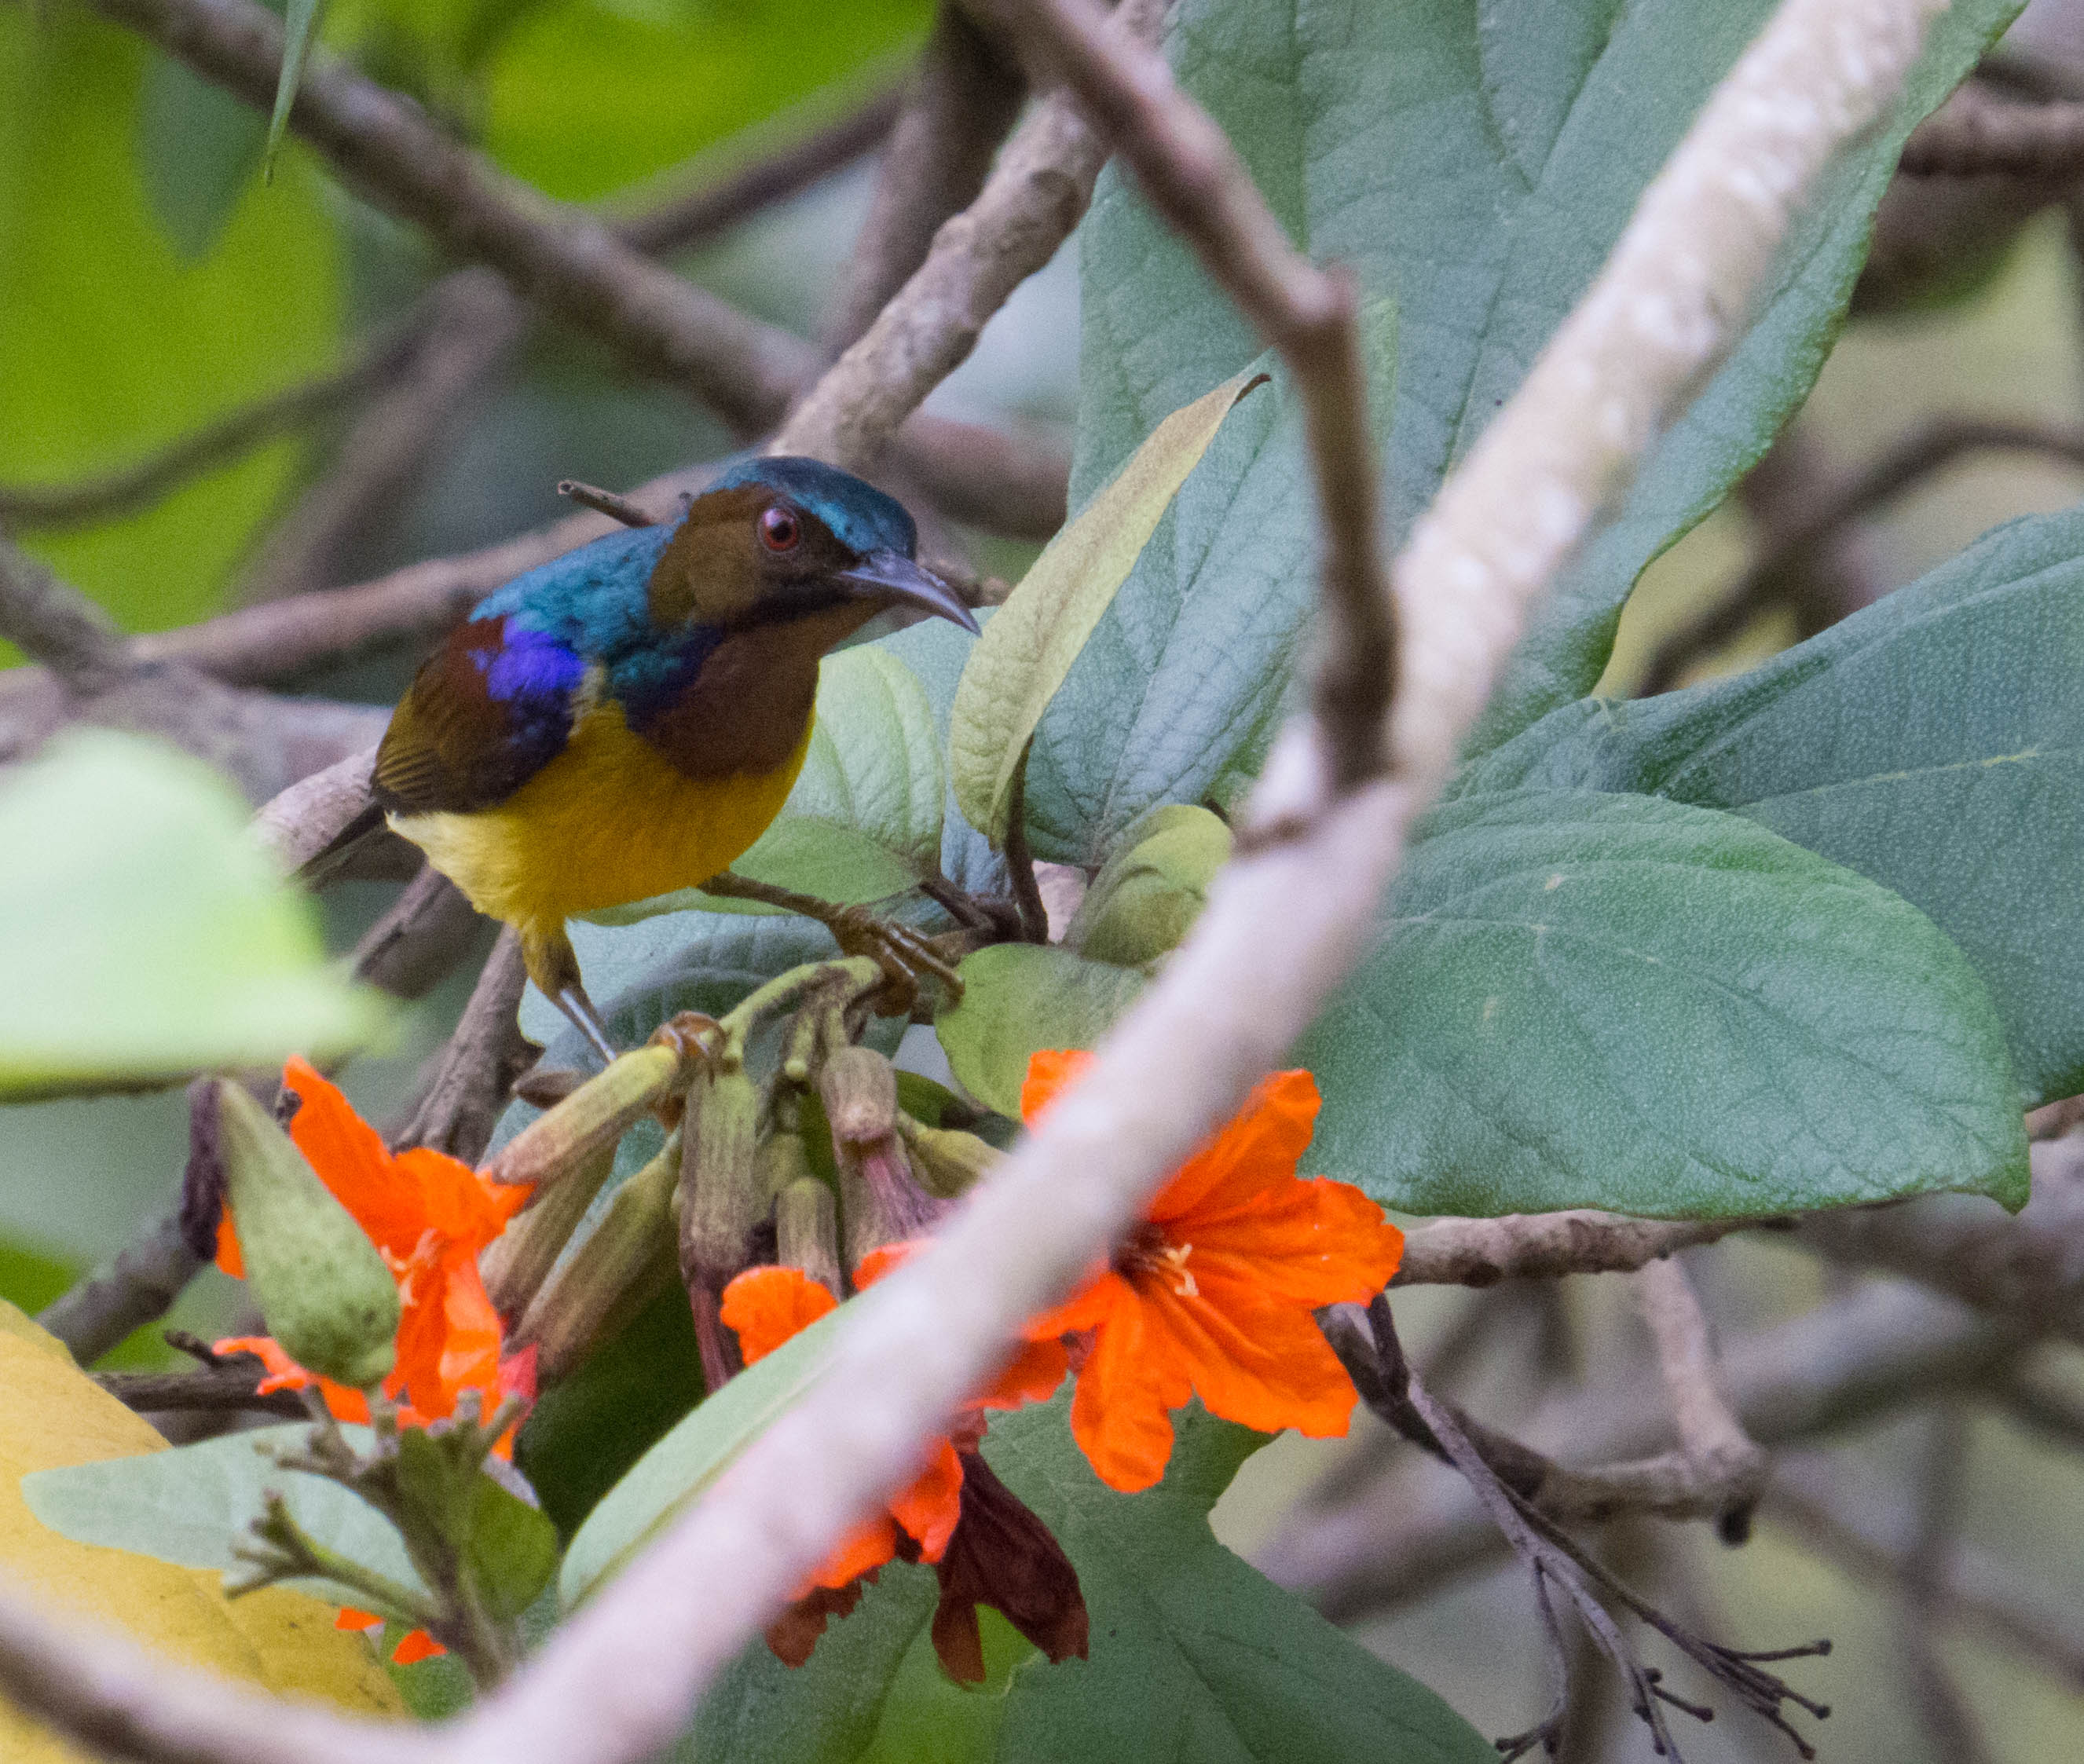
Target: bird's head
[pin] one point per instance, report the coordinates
(776, 540)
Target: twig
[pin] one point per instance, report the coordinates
(134, 1288)
(1724, 1460)
(1976, 132)
(1188, 168)
(55, 625)
(1026, 209)
(963, 98)
(1519, 1247)
(418, 942)
(474, 1073)
(615, 508)
(715, 206)
(295, 826)
(1865, 1355)
(1787, 563)
(226, 1388)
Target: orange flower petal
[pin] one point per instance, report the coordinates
(1119, 1413)
(1268, 1366)
(1090, 1307)
(417, 1645)
(767, 1306)
(230, 1260)
(351, 1159)
(1306, 1243)
(929, 1509)
(1260, 1145)
(351, 1618)
(1051, 1071)
(864, 1551)
(454, 1199)
(471, 1335)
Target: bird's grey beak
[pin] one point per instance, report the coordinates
(891, 577)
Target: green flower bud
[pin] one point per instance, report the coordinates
(947, 1162)
(597, 1114)
(1147, 895)
(320, 1285)
(880, 1198)
(724, 1194)
(626, 1263)
(806, 1231)
(519, 1259)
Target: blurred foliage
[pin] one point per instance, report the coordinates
(115, 342)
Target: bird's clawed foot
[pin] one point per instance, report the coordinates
(906, 957)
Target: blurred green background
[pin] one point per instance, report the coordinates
(149, 282)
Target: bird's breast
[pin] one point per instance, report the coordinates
(610, 820)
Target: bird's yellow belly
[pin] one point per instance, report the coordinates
(608, 822)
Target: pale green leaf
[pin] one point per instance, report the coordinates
(143, 933)
(1022, 659)
(1018, 998)
(191, 1505)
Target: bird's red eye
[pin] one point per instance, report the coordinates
(779, 530)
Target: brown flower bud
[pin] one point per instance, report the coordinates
(806, 1231)
(880, 1198)
(626, 1263)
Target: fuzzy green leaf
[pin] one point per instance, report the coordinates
(1019, 997)
(1591, 1001)
(1016, 668)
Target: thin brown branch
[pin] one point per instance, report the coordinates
(963, 98)
(1726, 1464)
(54, 624)
(297, 824)
(230, 1388)
(1520, 1246)
(1791, 566)
(134, 1287)
(1028, 207)
(715, 205)
(1948, 1723)
(1188, 169)
(1977, 131)
(474, 1074)
(1831, 1369)
(428, 929)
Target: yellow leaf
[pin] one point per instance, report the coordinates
(53, 1414)
(1033, 639)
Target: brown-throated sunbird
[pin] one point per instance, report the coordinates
(627, 719)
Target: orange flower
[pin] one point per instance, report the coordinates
(1212, 1295)
(766, 1306)
(414, 1646)
(985, 1546)
(431, 1215)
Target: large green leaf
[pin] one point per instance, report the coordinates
(1193, 1656)
(1594, 1000)
(1020, 997)
(1016, 668)
(1475, 164)
(1934, 742)
(142, 934)
(192, 1504)
(112, 344)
